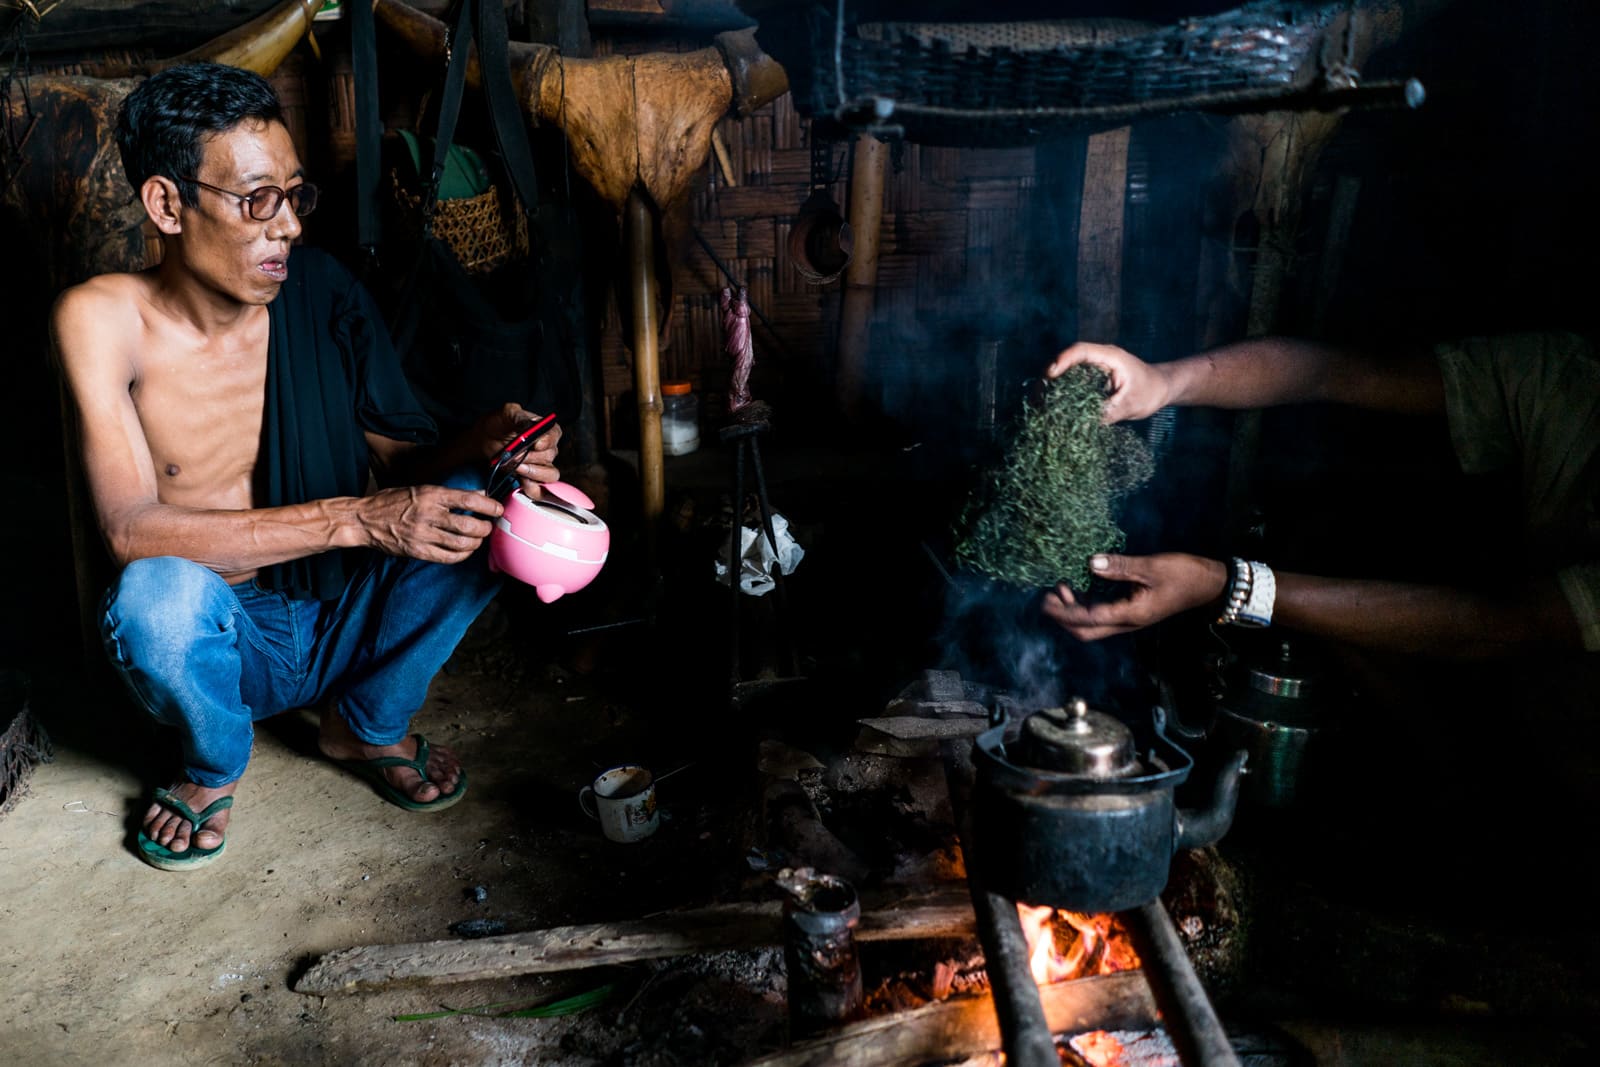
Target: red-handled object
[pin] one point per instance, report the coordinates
(503, 473)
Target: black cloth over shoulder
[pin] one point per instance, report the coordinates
(332, 377)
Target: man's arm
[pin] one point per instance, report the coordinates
(1399, 616)
(90, 332)
(1261, 373)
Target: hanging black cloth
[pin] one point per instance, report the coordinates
(332, 377)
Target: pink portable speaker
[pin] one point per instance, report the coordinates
(556, 544)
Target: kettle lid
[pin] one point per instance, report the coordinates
(1285, 672)
(1076, 739)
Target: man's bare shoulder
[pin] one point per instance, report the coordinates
(102, 296)
(100, 315)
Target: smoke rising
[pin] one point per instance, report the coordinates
(996, 635)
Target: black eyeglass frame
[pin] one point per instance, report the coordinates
(281, 195)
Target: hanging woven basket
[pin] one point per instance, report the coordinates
(479, 230)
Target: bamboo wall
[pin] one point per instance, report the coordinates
(954, 222)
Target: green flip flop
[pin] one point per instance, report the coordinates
(372, 770)
(190, 858)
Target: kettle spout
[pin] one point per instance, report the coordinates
(1199, 828)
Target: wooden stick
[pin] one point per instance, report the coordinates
(951, 1029)
(940, 913)
(723, 162)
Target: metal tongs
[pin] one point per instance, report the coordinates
(503, 473)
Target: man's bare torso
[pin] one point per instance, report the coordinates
(200, 399)
(199, 396)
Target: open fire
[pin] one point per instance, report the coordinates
(1065, 944)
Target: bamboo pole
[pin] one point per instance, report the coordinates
(861, 276)
(644, 293)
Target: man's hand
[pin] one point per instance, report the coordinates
(1163, 585)
(499, 428)
(1138, 389)
(433, 523)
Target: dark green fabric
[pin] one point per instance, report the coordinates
(464, 175)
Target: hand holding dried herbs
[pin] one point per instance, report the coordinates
(1050, 505)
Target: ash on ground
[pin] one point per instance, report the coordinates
(694, 1011)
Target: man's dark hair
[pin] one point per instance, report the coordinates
(163, 123)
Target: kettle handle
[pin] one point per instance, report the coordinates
(1167, 719)
(1175, 728)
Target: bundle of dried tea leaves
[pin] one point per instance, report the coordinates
(1037, 519)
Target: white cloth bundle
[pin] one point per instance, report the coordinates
(756, 557)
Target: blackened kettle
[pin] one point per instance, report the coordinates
(1068, 812)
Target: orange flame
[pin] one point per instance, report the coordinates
(1099, 944)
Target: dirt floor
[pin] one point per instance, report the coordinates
(110, 962)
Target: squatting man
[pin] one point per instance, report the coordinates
(233, 404)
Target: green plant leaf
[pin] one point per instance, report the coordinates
(572, 1005)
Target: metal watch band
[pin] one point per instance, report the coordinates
(1263, 595)
(1237, 593)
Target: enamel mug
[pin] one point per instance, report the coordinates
(623, 801)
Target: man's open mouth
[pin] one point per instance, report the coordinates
(276, 269)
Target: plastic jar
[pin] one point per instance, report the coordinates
(680, 419)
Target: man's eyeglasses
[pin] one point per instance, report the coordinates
(263, 203)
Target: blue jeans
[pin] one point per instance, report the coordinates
(211, 659)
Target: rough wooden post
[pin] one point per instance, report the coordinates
(1273, 157)
(1100, 228)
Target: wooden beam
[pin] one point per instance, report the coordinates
(958, 1028)
(1100, 227)
(941, 913)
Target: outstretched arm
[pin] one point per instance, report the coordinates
(1261, 373)
(1399, 616)
(90, 330)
